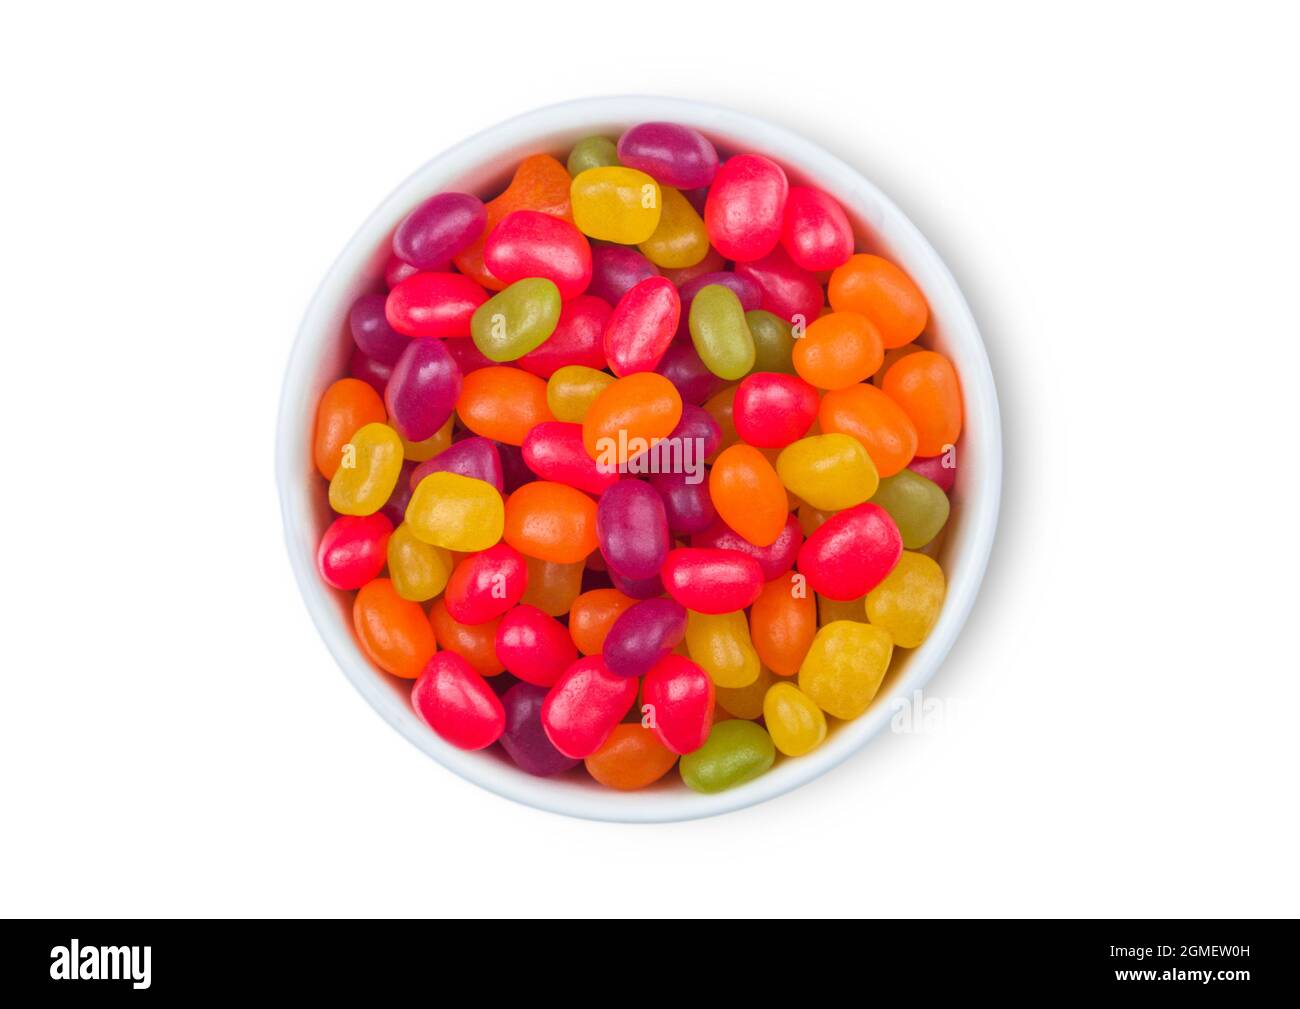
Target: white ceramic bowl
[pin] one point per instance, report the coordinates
(483, 164)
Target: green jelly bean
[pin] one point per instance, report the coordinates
(514, 321)
(720, 332)
(918, 506)
(592, 152)
(773, 342)
(736, 751)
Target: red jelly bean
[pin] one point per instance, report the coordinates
(941, 469)
(745, 209)
(534, 646)
(457, 704)
(584, 706)
(528, 243)
(486, 584)
(775, 559)
(678, 698)
(642, 326)
(434, 304)
(579, 338)
(816, 232)
(851, 552)
(789, 291)
(708, 580)
(554, 450)
(773, 410)
(354, 550)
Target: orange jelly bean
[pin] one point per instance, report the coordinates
(592, 616)
(346, 407)
(881, 425)
(878, 289)
(925, 386)
(503, 404)
(551, 521)
(393, 631)
(475, 643)
(782, 625)
(748, 494)
(838, 350)
(628, 415)
(630, 758)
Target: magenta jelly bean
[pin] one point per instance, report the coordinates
(745, 209)
(486, 584)
(632, 529)
(772, 410)
(642, 635)
(682, 366)
(851, 552)
(583, 707)
(534, 646)
(579, 338)
(524, 739)
(642, 326)
(616, 269)
(353, 550)
(678, 698)
(457, 704)
(438, 229)
(698, 427)
(374, 373)
(637, 588)
(467, 356)
(554, 451)
(434, 304)
(671, 154)
(395, 271)
(789, 291)
(775, 559)
(371, 331)
(940, 469)
(816, 232)
(708, 580)
(422, 390)
(528, 243)
(395, 507)
(687, 506)
(473, 457)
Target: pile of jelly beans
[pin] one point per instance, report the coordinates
(639, 465)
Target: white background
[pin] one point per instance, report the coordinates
(1114, 187)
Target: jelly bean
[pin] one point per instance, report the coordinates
(746, 701)
(810, 519)
(795, 723)
(816, 232)
(782, 624)
(866, 413)
(638, 588)
(746, 207)
(571, 390)
(524, 739)
(711, 263)
(642, 326)
(830, 610)
(551, 521)
(592, 152)
(687, 505)
(907, 602)
(485, 585)
(736, 752)
(632, 529)
(395, 271)
(616, 269)
(530, 244)
(679, 697)
(845, 666)
(721, 407)
(697, 427)
(422, 451)
(680, 239)
(475, 643)
(552, 587)
(467, 357)
(502, 403)
(773, 342)
(631, 758)
(456, 512)
(345, 408)
(516, 320)
(371, 463)
(534, 646)
(394, 508)
(642, 635)
(773, 410)
(423, 389)
(775, 559)
(578, 340)
(918, 506)
(369, 370)
(837, 351)
(748, 494)
(851, 553)
(592, 616)
(392, 631)
(434, 304)
(828, 471)
(352, 551)
(371, 332)
(711, 581)
(438, 229)
(513, 468)
(674, 154)
(746, 290)
(628, 416)
(473, 457)
(879, 290)
(554, 451)
(720, 333)
(721, 644)
(418, 570)
(616, 204)
(941, 469)
(925, 386)
(789, 291)
(583, 707)
(682, 366)
(457, 704)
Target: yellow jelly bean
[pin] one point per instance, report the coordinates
(680, 240)
(721, 646)
(418, 570)
(830, 472)
(907, 602)
(456, 512)
(419, 451)
(747, 701)
(795, 723)
(371, 463)
(616, 204)
(844, 667)
(572, 389)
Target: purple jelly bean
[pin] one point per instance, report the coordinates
(632, 530)
(687, 505)
(638, 588)
(616, 269)
(642, 635)
(524, 739)
(438, 229)
(366, 368)
(394, 508)
(745, 288)
(682, 366)
(423, 389)
(775, 559)
(371, 331)
(671, 154)
(474, 457)
(514, 470)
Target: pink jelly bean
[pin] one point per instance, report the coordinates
(788, 290)
(775, 559)
(371, 331)
(524, 739)
(708, 580)
(632, 529)
(616, 269)
(534, 645)
(671, 154)
(678, 697)
(642, 326)
(554, 450)
(772, 410)
(457, 704)
(746, 207)
(473, 457)
(438, 229)
(583, 707)
(642, 635)
(467, 356)
(422, 390)
(528, 243)
(434, 304)
(851, 552)
(940, 469)
(354, 550)
(486, 584)
(816, 231)
(579, 338)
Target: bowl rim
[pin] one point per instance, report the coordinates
(320, 323)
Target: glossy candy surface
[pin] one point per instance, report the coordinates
(367, 473)
(475, 643)
(870, 416)
(419, 571)
(571, 390)
(851, 552)
(907, 602)
(795, 723)
(918, 507)
(720, 333)
(721, 644)
(534, 646)
(551, 521)
(632, 529)
(631, 758)
(438, 229)
(434, 304)
(353, 550)
(816, 232)
(926, 387)
(680, 239)
(616, 269)
(828, 471)
(745, 209)
(503, 404)
(530, 244)
(593, 615)
(736, 751)
(678, 699)
(486, 584)
(838, 350)
(347, 406)
(642, 326)
(423, 389)
(516, 320)
(456, 512)
(783, 623)
(616, 204)
(879, 290)
(554, 451)
(473, 457)
(523, 736)
(371, 332)
(845, 666)
(673, 154)
(592, 152)
(642, 635)
(628, 416)
(577, 339)
(585, 704)
(748, 494)
(392, 631)
(457, 703)
(773, 410)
